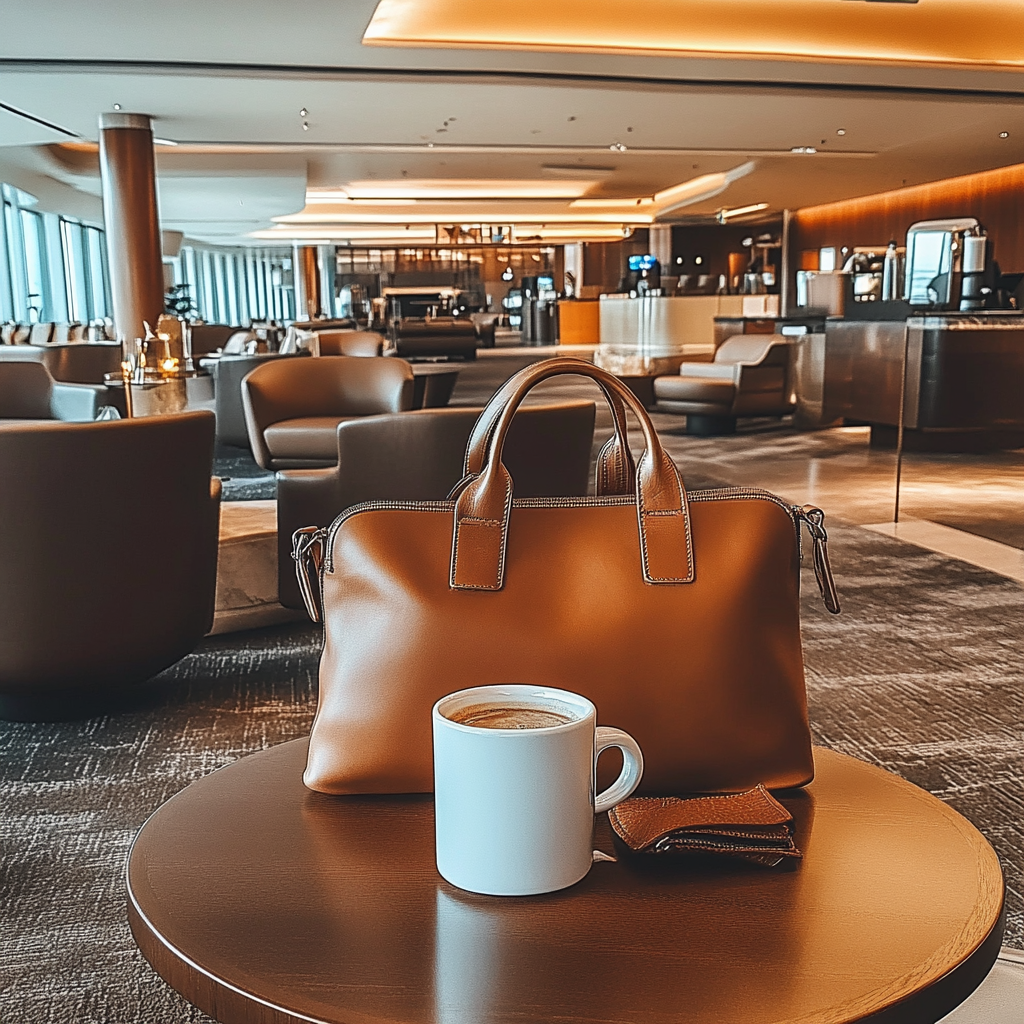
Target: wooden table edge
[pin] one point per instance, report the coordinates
(229, 1004)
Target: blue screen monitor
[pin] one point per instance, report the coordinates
(647, 262)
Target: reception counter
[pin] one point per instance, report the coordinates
(652, 335)
(964, 377)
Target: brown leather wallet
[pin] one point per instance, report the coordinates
(751, 825)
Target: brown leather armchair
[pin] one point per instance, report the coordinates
(293, 406)
(419, 456)
(28, 392)
(108, 542)
(749, 377)
(350, 343)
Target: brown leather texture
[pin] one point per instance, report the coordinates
(752, 825)
(643, 820)
(305, 437)
(418, 456)
(350, 343)
(679, 618)
(109, 555)
(281, 391)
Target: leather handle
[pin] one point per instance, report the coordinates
(484, 503)
(616, 471)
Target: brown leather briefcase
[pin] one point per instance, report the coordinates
(677, 614)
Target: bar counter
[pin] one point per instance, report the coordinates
(964, 375)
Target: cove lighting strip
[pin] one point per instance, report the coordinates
(983, 33)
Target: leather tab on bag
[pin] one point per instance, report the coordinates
(478, 555)
(481, 531)
(666, 543)
(665, 537)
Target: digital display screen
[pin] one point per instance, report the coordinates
(647, 262)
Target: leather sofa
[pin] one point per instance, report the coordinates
(749, 377)
(442, 337)
(293, 406)
(108, 542)
(75, 362)
(419, 456)
(28, 392)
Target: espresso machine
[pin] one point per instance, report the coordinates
(949, 265)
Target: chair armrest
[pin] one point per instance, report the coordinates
(305, 497)
(711, 371)
(77, 402)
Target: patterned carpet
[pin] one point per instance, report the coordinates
(923, 674)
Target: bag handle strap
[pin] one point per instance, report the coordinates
(616, 471)
(484, 502)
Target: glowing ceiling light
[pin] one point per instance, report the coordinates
(739, 211)
(438, 214)
(937, 32)
(467, 189)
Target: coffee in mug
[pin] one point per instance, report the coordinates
(514, 785)
(511, 716)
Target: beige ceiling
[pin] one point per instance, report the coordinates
(227, 80)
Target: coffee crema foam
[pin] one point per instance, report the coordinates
(513, 716)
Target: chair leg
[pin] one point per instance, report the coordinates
(702, 425)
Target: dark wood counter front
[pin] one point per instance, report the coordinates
(264, 903)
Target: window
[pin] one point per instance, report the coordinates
(236, 286)
(52, 268)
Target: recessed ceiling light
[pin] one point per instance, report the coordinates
(117, 106)
(840, 131)
(1004, 135)
(305, 126)
(303, 112)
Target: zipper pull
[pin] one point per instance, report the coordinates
(308, 554)
(815, 520)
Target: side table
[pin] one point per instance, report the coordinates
(264, 903)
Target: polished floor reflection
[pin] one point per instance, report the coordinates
(839, 470)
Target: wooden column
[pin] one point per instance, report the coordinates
(128, 175)
(307, 283)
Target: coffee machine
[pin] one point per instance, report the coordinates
(949, 265)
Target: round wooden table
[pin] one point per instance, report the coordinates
(264, 903)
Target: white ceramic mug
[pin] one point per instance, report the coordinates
(514, 808)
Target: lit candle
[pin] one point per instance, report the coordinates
(126, 378)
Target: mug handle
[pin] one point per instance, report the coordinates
(632, 766)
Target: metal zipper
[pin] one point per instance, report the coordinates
(323, 539)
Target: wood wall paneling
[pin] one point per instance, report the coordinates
(996, 198)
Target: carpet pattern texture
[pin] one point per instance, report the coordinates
(921, 674)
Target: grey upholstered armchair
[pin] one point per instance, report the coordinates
(749, 377)
(28, 392)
